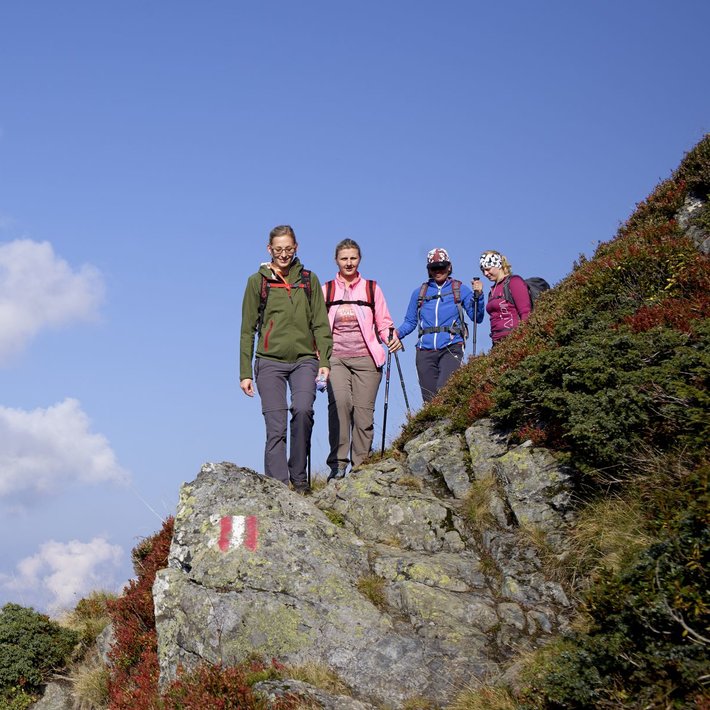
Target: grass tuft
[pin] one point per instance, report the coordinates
(483, 697)
(319, 676)
(476, 507)
(373, 588)
(91, 686)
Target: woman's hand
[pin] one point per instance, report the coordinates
(324, 372)
(394, 344)
(247, 386)
(477, 286)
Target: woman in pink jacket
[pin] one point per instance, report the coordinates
(509, 300)
(360, 322)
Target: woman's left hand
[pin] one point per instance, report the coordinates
(324, 372)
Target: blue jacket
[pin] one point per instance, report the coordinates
(439, 310)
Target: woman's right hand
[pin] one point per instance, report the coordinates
(477, 286)
(395, 343)
(247, 386)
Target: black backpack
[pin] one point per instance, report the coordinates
(268, 284)
(536, 285)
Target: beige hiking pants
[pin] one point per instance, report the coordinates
(352, 391)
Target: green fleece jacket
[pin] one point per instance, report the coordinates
(293, 328)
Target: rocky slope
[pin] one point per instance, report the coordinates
(426, 572)
(387, 577)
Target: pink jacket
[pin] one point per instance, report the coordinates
(364, 315)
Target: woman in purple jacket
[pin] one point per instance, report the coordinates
(505, 314)
(362, 329)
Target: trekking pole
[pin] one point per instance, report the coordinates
(401, 379)
(387, 394)
(474, 336)
(308, 465)
(475, 316)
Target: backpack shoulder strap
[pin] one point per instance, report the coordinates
(370, 285)
(329, 293)
(306, 282)
(506, 291)
(263, 295)
(422, 294)
(456, 288)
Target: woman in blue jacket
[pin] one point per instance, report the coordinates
(436, 310)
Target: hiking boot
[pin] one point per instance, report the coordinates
(337, 473)
(303, 490)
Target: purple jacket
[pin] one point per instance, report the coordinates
(506, 316)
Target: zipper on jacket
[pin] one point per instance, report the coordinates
(266, 335)
(436, 315)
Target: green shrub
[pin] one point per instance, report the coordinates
(563, 675)
(648, 642)
(31, 646)
(16, 699)
(607, 393)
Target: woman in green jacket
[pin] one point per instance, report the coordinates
(284, 305)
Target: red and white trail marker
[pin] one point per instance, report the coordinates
(235, 531)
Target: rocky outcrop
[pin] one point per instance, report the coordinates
(408, 578)
(693, 206)
(57, 695)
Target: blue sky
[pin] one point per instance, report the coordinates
(146, 150)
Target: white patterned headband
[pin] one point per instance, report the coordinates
(491, 260)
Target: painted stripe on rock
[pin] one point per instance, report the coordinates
(238, 530)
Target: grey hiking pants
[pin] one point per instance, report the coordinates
(271, 380)
(434, 368)
(352, 391)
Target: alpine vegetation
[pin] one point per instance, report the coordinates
(536, 538)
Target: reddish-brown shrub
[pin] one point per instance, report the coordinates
(134, 676)
(480, 403)
(531, 432)
(222, 688)
(676, 313)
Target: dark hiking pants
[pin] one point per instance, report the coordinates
(434, 367)
(271, 381)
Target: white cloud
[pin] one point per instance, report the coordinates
(40, 290)
(61, 574)
(43, 450)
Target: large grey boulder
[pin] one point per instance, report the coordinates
(383, 576)
(290, 592)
